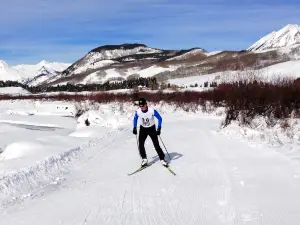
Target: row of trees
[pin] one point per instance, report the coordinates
(205, 84)
(149, 83)
(115, 85)
(12, 84)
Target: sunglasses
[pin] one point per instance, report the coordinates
(142, 106)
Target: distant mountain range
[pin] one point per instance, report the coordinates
(31, 73)
(126, 61)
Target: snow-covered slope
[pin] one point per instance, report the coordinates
(188, 54)
(287, 36)
(115, 62)
(274, 73)
(115, 74)
(23, 73)
(118, 51)
(8, 73)
(103, 56)
(42, 68)
(286, 69)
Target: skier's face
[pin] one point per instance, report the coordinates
(143, 107)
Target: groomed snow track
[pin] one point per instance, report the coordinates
(220, 180)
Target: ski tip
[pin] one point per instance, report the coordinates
(171, 171)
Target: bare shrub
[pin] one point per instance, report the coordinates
(245, 101)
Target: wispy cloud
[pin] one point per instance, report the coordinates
(65, 30)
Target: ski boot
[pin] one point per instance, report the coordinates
(144, 162)
(164, 163)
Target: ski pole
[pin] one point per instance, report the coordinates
(164, 146)
(137, 142)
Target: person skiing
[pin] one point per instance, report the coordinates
(147, 127)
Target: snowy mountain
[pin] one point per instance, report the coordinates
(8, 73)
(43, 65)
(43, 68)
(122, 62)
(118, 62)
(25, 73)
(127, 61)
(287, 36)
(112, 55)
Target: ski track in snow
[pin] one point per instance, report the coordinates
(220, 180)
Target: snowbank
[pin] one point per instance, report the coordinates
(19, 150)
(111, 115)
(36, 150)
(21, 184)
(33, 107)
(281, 134)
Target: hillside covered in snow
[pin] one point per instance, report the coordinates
(121, 62)
(8, 73)
(285, 37)
(115, 63)
(29, 74)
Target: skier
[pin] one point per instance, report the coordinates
(147, 127)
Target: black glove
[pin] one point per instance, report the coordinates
(134, 131)
(158, 131)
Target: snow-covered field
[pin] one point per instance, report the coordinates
(285, 70)
(200, 80)
(13, 91)
(56, 170)
(113, 73)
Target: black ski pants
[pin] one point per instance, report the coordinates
(151, 131)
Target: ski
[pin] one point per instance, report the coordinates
(140, 169)
(170, 170)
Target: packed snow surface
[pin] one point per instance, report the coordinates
(221, 178)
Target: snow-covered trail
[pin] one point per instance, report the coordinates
(219, 181)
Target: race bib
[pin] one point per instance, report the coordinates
(147, 119)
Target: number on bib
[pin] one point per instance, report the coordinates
(146, 122)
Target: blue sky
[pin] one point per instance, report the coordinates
(65, 30)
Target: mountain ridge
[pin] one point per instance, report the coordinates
(285, 37)
(132, 60)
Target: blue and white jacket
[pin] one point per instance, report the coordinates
(147, 117)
